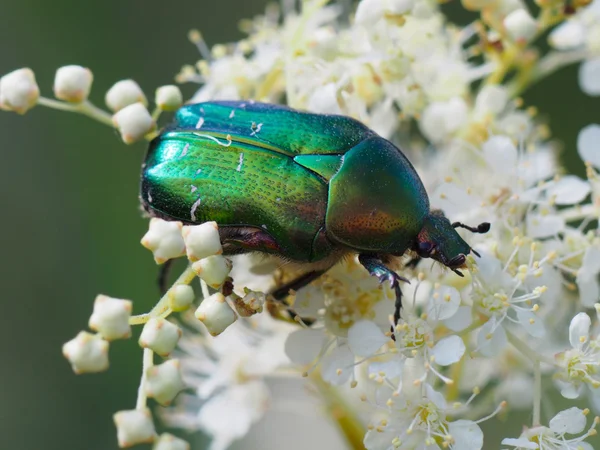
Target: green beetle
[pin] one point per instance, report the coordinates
(309, 188)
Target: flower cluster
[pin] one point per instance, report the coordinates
(466, 348)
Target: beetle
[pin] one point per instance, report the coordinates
(309, 188)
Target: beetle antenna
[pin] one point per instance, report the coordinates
(476, 253)
(458, 272)
(482, 228)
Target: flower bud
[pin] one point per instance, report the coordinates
(181, 297)
(160, 335)
(124, 93)
(73, 83)
(164, 240)
(520, 26)
(134, 427)
(134, 122)
(213, 270)
(568, 35)
(168, 98)
(250, 304)
(87, 353)
(167, 441)
(164, 382)
(202, 240)
(111, 317)
(18, 91)
(215, 313)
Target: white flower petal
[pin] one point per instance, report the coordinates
(589, 291)
(461, 320)
(569, 390)
(466, 434)
(521, 443)
(448, 350)
(365, 338)
(391, 369)
(568, 35)
(591, 262)
(444, 303)
(589, 77)
(570, 421)
(336, 367)
(436, 397)
(542, 226)
(569, 190)
(588, 144)
(579, 330)
(500, 154)
(488, 343)
(532, 323)
(303, 346)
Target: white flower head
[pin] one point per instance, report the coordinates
(134, 122)
(134, 427)
(19, 91)
(111, 317)
(124, 93)
(87, 353)
(164, 240)
(73, 83)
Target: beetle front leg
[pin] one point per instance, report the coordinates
(377, 268)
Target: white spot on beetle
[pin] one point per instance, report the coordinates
(193, 209)
(264, 226)
(198, 171)
(200, 123)
(185, 150)
(149, 197)
(194, 188)
(278, 199)
(232, 114)
(255, 128)
(239, 167)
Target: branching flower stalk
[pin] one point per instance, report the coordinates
(465, 349)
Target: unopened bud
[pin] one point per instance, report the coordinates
(19, 91)
(73, 83)
(164, 240)
(202, 240)
(216, 314)
(134, 427)
(124, 93)
(168, 98)
(134, 122)
(167, 441)
(520, 26)
(87, 353)
(164, 382)
(213, 270)
(160, 335)
(111, 317)
(181, 297)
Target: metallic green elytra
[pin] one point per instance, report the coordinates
(307, 187)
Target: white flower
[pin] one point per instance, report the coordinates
(73, 83)
(589, 77)
(134, 122)
(168, 98)
(440, 120)
(570, 421)
(213, 269)
(134, 427)
(164, 240)
(568, 35)
(19, 91)
(124, 93)
(87, 353)
(163, 382)
(160, 335)
(111, 317)
(588, 144)
(202, 240)
(167, 441)
(520, 26)
(215, 313)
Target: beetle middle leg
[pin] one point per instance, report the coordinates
(377, 268)
(163, 276)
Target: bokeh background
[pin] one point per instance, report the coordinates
(70, 218)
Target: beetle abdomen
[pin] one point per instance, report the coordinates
(196, 178)
(377, 201)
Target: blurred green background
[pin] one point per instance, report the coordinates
(71, 222)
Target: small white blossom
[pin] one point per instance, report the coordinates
(87, 353)
(181, 297)
(587, 144)
(19, 91)
(568, 35)
(168, 98)
(134, 122)
(134, 427)
(73, 83)
(520, 26)
(160, 335)
(216, 314)
(164, 240)
(441, 120)
(124, 93)
(213, 269)
(202, 240)
(589, 77)
(163, 382)
(167, 441)
(111, 317)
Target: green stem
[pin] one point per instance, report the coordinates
(537, 393)
(86, 108)
(162, 309)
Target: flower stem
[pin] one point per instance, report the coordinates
(86, 108)
(147, 362)
(162, 309)
(537, 393)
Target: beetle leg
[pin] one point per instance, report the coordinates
(378, 269)
(412, 263)
(163, 276)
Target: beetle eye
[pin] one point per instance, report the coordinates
(457, 261)
(425, 248)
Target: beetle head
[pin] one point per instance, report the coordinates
(439, 240)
